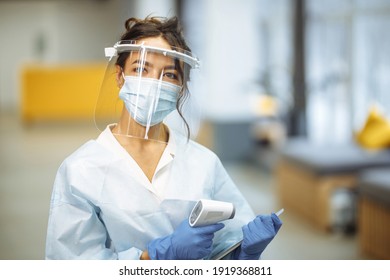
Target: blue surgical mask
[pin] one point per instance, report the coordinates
(148, 100)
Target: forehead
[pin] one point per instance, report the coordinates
(158, 42)
(150, 56)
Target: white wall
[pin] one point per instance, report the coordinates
(61, 31)
(164, 8)
(52, 32)
(21, 23)
(84, 28)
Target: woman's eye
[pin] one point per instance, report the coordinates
(172, 76)
(139, 70)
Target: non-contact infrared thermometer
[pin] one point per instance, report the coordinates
(207, 212)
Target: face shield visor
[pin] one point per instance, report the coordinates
(141, 87)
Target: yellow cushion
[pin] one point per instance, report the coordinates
(375, 133)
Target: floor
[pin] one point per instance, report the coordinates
(31, 154)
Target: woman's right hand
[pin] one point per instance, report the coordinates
(185, 243)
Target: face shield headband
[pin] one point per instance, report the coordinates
(128, 46)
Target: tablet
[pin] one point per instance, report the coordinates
(224, 253)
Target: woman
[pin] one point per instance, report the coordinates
(128, 194)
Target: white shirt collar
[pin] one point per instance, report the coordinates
(108, 140)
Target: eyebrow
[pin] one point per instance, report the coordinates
(169, 67)
(146, 63)
(140, 62)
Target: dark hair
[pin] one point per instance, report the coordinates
(170, 30)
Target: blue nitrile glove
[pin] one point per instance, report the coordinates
(257, 235)
(185, 243)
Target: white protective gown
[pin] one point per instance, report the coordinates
(104, 207)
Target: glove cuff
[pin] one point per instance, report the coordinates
(239, 254)
(244, 256)
(160, 249)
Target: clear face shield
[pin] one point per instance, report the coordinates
(142, 84)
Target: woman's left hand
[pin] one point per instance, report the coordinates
(257, 235)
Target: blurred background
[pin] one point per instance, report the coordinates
(294, 96)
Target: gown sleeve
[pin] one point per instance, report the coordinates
(75, 230)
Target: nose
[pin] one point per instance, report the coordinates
(156, 74)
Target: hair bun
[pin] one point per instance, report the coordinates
(131, 22)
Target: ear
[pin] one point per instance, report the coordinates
(119, 76)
